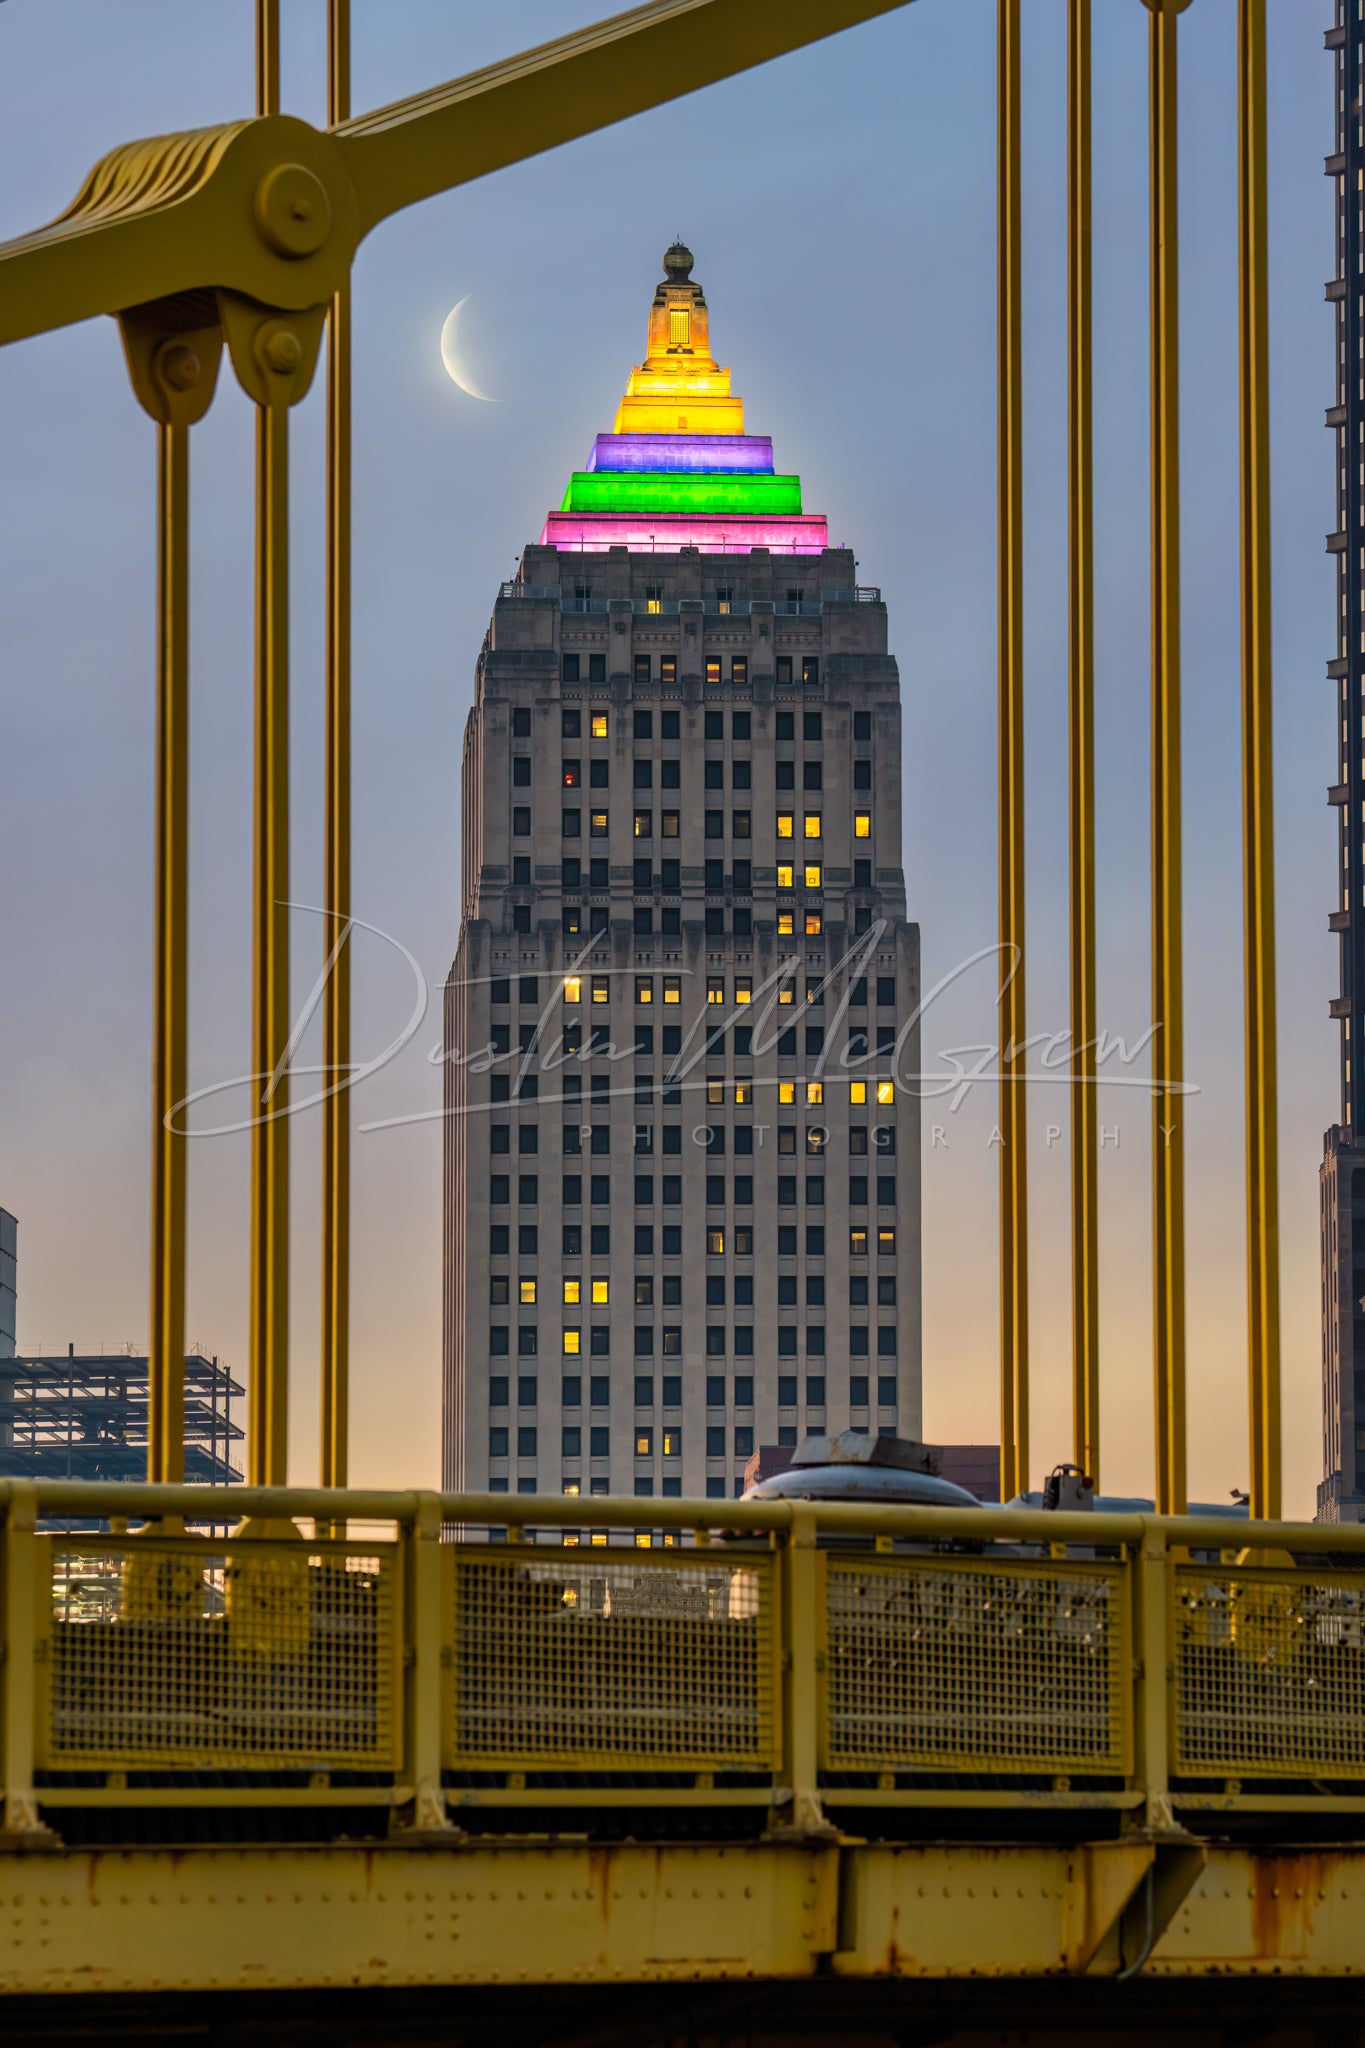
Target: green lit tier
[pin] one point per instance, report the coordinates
(698, 495)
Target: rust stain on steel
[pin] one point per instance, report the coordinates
(1283, 1913)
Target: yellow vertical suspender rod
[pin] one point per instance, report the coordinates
(1168, 1129)
(336, 1000)
(170, 997)
(1009, 513)
(1258, 823)
(1085, 1325)
(269, 1283)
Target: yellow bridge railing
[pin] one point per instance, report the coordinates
(791, 1658)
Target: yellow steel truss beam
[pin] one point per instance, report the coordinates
(224, 1919)
(276, 209)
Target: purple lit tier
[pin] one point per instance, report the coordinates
(684, 454)
(594, 532)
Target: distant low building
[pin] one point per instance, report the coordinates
(975, 1466)
(9, 1282)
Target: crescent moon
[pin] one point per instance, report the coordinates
(450, 354)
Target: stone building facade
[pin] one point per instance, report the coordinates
(682, 1182)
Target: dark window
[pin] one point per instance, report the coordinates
(571, 824)
(815, 1341)
(857, 1340)
(497, 1392)
(812, 725)
(570, 668)
(497, 1190)
(786, 1343)
(599, 1442)
(815, 1290)
(571, 1392)
(643, 774)
(815, 1391)
(599, 1193)
(528, 1188)
(857, 1391)
(597, 668)
(521, 823)
(715, 1343)
(785, 720)
(713, 773)
(599, 1392)
(741, 775)
(886, 991)
(715, 725)
(528, 1237)
(642, 669)
(599, 1340)
(815, 1240)
(715, 1442)
(862, 725)
(644, 725)
(744, 1440)
(862, 775)
(886, 1341)
(571, 1442)
(812, 776)
(521, 723)
(886, 1391)
(497, 1239)
(886, 1190)
(669, 727)
(498, 1340)
(573, 1241)
(497, 1443)
(741, 823)
(672, 1391)
(714, 824)
(521, 771)
(572, 1191)
(857, 1190)
(786, 774)
(599, 774)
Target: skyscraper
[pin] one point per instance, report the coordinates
(682, 1195)
(1341, 1496)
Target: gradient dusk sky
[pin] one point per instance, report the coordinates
(841, 207)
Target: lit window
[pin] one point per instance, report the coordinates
(644, 988)
(744, 1243)
(573, 989)
(857, 1091)
(862, 824)
(654, 598)
(644, 824)
(672, 1443)
(744, 1091)
(571, 1486)
(812, 824)
(715, 1091)
(815, 924)
(573, 1343)
(886, 1091)
(815, 1091)
(643, 1540)
(886, 1242)
(715, 988)
(786, 874)
(573, 1291)
(786, 1091)
(597, 824)
(672, 988)
(715, 1243)
(785, 824)
(679, 327)
(812, 874)
(600, 1291)
(744, 989)
(598, 1539)
(669, 825)
(599, 725)
(644, 1290)
(644, 1448)
(528, 1290)
(786, 995)
(786, 925)
(857, 1241)
(601, 989)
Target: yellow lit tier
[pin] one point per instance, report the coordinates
(682, 412)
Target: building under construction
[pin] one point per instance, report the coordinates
(85, 1417)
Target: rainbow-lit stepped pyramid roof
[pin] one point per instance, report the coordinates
(679, 470)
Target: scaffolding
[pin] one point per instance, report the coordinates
(85, 1417)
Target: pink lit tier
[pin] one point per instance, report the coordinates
(805, 534)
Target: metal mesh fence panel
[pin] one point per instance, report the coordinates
(1270, 1671)
(169, 1653)
(976, 1665)
(600, 1662)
